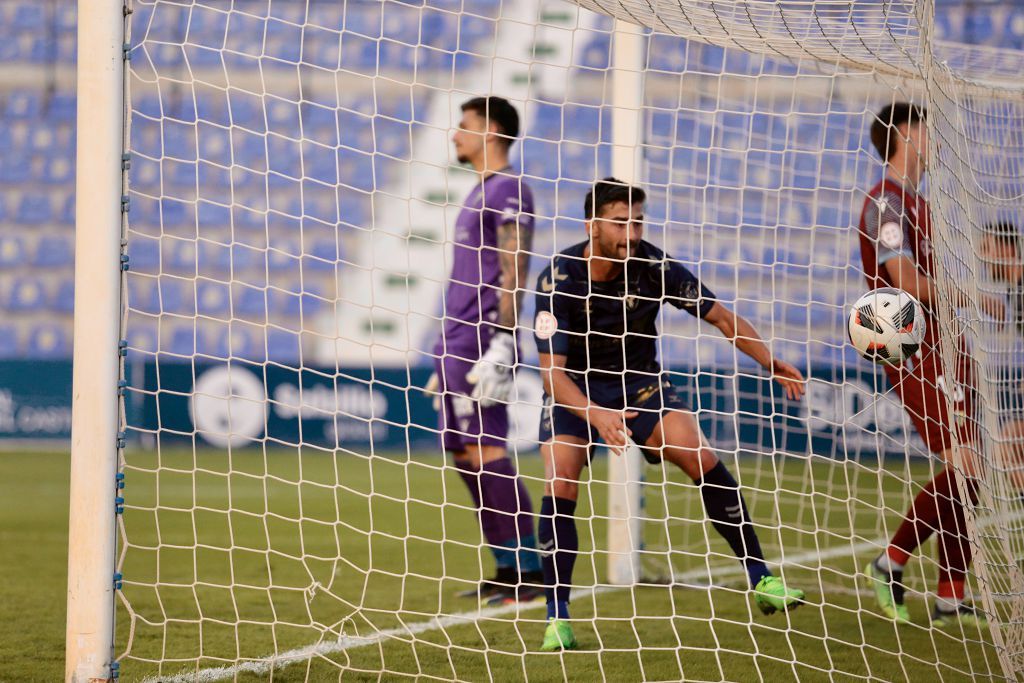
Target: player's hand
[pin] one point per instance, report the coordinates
(993, 306)
(791, 379)
(433, 389)
(491, 376)
(611, 426)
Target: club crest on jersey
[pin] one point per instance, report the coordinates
(545, 325)
(891, 236)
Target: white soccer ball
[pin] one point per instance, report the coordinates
(887, 326)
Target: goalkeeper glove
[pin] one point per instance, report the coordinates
(432, 389)
(492, 374)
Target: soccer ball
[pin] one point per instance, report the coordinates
(887, 326)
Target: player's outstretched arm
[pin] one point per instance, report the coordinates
(740, 332)
(610, 424)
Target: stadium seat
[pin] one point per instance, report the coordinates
(283, 346)
(54, 251)
(48, 340)
(29, 16)
(58, 170)
(184, 340)
(10, 335)
(27, 294)
(142, 339)
(15, 168)
(23, 104)
(64, 297)
(12, 251)
(177, 296)
(213, 299)
(283, 303)
(248, 302)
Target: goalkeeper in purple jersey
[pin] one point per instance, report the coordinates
(477, 350)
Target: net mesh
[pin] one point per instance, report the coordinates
(288, 511)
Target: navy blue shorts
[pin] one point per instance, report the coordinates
(652, 401)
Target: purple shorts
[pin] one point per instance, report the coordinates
(461, 420)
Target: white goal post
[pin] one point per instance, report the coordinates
(266, 196)
(96, 418)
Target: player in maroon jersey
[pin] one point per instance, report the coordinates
(895, 244)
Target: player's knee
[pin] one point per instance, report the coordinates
(564, 488)
(694, 462)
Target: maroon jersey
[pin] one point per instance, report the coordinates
(896, 222)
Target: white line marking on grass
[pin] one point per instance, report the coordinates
(277, 662)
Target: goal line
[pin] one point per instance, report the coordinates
(468, 617)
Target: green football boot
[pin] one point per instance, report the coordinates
(888, 588)
(771, 596)
(558, 636)
(967, 616)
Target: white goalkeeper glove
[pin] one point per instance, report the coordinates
(492, 374)
(432, 389)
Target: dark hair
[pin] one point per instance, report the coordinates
(884, 127)
(496, 110)
(608, 191)
(1003, 232)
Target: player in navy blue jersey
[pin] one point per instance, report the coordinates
(596, 329)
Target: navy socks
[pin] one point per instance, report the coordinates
(727, 511)
(559, 544)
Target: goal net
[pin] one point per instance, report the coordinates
(287, 509)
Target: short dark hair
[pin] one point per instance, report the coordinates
(497, 110)
(884, 127)
(1003, 232)
(608, 191)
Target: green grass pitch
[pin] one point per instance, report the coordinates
(250, 550)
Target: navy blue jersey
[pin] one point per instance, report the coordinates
(608, 330)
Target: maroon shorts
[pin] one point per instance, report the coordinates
(926, 391)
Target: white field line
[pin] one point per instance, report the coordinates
(276, 662)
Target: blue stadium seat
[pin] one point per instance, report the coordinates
(184, 340)
(213, 298)
(325, 254)
(15, 168)
(179, 255)
(12, 251)
(142, 339)
(282, 346)
(213, 259)
(9, 340)
(54, 251)
(64, 297)
(244, 257)
(248, 302)
(283, 303)
(67, 211)
(144, 295)
(176, 296)
(58, 170)
(27, 294)
(48, 340)
(24, 104)
(66, 17)
(312, 304)
(29, 16)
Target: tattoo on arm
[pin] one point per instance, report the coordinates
(514, 243)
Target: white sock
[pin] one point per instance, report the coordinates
(947, 605)
(885, 563)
